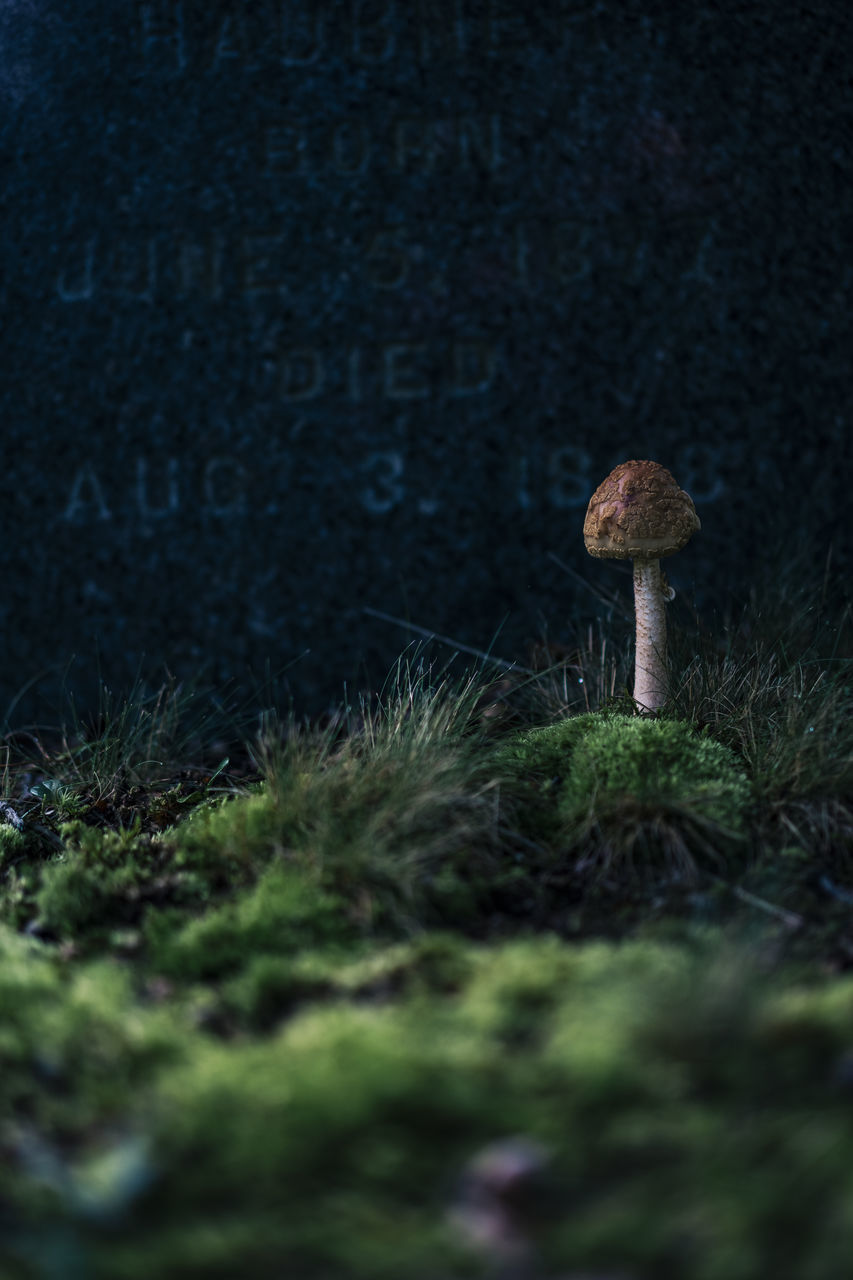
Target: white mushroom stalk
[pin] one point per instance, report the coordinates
(650, 680)
(639, 513)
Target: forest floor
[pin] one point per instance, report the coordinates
(483, 976)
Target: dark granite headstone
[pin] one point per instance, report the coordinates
(320, 308)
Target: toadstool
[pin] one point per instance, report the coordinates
(639, 513)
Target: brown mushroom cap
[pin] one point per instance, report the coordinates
(638, 513)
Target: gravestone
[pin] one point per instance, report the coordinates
(319, 311)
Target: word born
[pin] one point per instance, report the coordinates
(404, 145)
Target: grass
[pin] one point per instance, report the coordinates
(480, 973)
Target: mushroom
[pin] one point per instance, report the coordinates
(639, 513)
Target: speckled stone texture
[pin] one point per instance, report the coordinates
(311, 307)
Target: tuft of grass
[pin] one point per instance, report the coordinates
(778, 688)
(117, 762)
(792, 722)
(393, 816)
(591, 673)
(400, 815)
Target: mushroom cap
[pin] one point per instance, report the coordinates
(638, 513)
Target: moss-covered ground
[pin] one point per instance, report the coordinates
(480, 977)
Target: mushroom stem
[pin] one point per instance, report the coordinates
(650, 657)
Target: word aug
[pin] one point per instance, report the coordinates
(157, 491)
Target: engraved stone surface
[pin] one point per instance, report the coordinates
(323, 307)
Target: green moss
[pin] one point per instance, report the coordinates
(103, 880)
(272, 987)
(546, 752)
(13, 844)
(22, 855)
(229, 837)
(654, 762)
(533, 764)
(75, 896)
(285, 911)
(73, 1050)
(628, 790)
(693, 1110)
